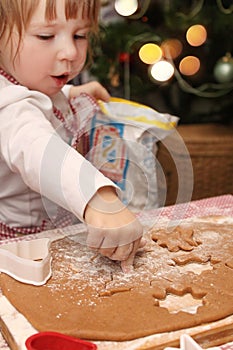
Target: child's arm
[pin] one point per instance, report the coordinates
(92, 88)
(113, 230)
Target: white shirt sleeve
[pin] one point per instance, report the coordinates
(31, 147)
(66, 90)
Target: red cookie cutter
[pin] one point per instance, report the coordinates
(57, 341)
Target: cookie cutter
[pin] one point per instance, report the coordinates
(27, 261)
(57, 341)
(187, 343)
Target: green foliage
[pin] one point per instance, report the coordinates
(115, 39)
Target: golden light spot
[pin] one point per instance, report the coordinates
(196, 35)
(150, 53)
(189, 65)
(171, 48)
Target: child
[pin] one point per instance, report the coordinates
(43, 45)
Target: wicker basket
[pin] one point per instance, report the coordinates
(210, 147)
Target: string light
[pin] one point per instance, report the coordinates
(199, 6)
(208, 90)
(143, 6)
(226, 11)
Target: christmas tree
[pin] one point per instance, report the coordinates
(199, 90)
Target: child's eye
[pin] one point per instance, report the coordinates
(80, 36)
(44, 37)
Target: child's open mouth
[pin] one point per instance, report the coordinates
(60, 79)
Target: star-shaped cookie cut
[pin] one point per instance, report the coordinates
(178, 239)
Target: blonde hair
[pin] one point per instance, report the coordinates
(17, 13)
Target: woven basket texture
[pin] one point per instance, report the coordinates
(210, 147)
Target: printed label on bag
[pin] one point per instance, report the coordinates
(108, 151)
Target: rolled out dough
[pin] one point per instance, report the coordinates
(183, 278)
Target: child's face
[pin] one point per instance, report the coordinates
(50, 53)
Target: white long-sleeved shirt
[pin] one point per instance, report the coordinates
(39, 170)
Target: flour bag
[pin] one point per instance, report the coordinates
(121, 141)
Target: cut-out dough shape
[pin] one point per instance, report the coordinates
(176, 240)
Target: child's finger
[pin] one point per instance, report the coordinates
(127, 265)
(122, 252)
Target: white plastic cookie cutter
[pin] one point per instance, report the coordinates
(27, 261)
(186, 343)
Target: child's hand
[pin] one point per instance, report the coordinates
(112, 229)
(93, 89)
(127, 265)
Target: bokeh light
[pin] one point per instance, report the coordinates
(171, 48)
(189, 65)
(150, 53)
(126, 7)
(162, 71)
(196, 35)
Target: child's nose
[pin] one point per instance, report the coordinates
(69, 51)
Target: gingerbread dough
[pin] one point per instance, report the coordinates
(89, 297)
